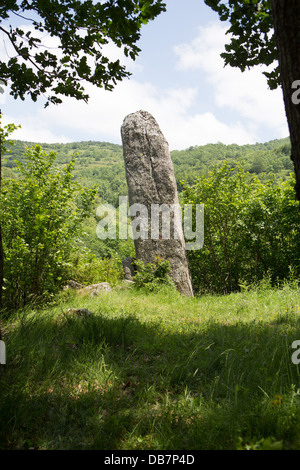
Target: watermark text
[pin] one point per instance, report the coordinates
(2, 353)
(157, 222)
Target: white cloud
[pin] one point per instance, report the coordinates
(204, 51)
(33, 131)
(200, 129)
(246, 92)
(102, 117)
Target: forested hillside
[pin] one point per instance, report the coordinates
(251, 216)
(101, 163)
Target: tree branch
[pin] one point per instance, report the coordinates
(29, 58)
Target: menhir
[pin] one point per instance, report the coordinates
(151, 184)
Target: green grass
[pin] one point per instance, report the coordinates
(154, 371)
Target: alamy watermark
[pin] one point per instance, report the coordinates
(295, 358)
(2, 353)
(296, 94)
(159, 222)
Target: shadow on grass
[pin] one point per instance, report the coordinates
(118, 383)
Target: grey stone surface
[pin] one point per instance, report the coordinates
(73, 285)
(128, 268)
(80, 312)
(151, 180)
(96, 289)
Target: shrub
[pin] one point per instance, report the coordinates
(251, 229)
(152, 276)
(41, 215)
(87, 268)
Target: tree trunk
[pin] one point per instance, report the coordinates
(286, 19)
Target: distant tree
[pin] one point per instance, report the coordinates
(267, 32)
(81, 28)
(259, 165)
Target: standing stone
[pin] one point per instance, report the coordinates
(151, 183)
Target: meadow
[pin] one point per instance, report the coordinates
(154, 371)
(150, 369)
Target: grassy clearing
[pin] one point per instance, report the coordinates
(154, 371)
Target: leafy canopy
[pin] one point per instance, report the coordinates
(81, 29)
(252, 42)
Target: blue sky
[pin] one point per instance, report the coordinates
(180, 78)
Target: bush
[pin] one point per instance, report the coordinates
(41, 215)
(87, 268)
(251, 229)
(152, 276)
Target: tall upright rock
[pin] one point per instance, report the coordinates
(153, 195)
